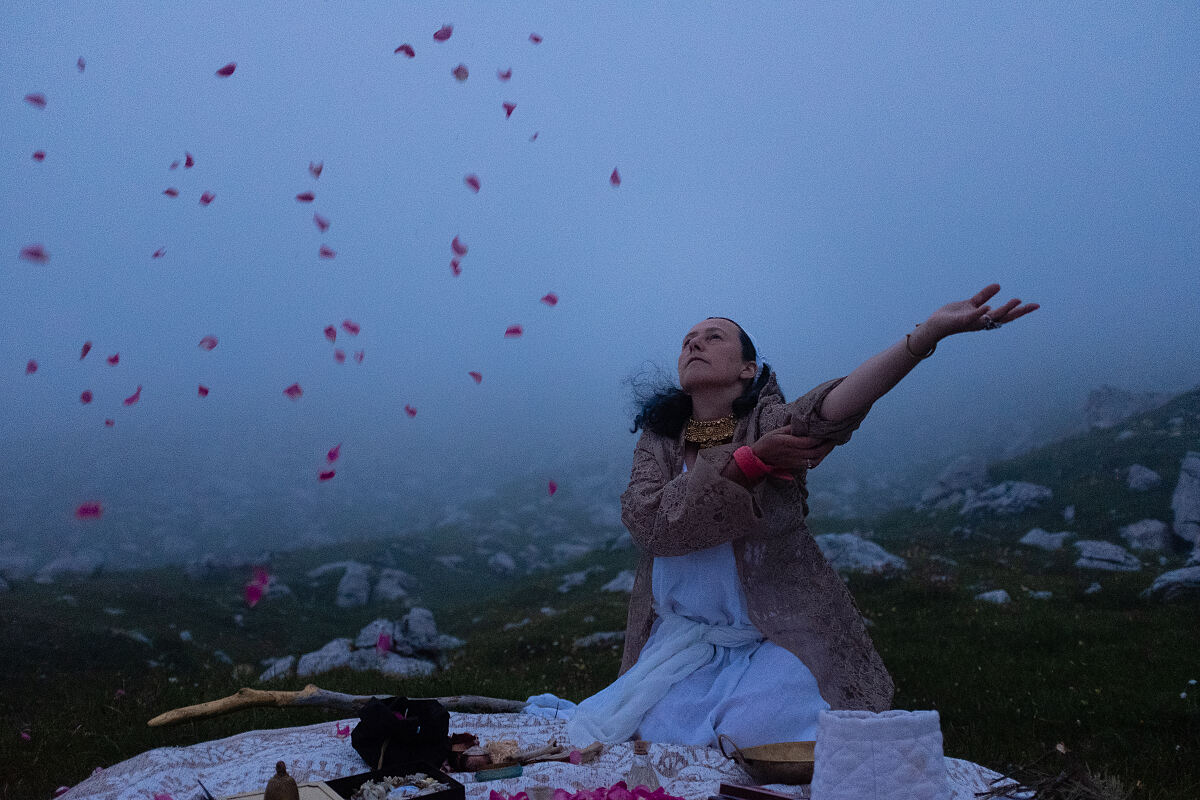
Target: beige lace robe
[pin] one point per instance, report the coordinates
(793, 595)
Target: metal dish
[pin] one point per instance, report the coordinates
(778, 762)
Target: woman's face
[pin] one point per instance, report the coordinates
(711, 356)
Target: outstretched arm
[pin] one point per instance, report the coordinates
(876, 376)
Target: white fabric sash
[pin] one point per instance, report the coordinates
(678, 648)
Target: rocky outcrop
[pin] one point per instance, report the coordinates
(1044, 539)
(996, 596)
(598, 639)
(502, 562)
(573, 579)
(1175, 585)
(1147, 534)
(1142, 479)
(849, 552)
(392, 585)
(1108, 405)
(1185, 501)
(949, 490)
(1096, 554)
(1009, 497)
(85, 564)
(622, 583)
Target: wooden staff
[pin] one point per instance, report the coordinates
(314, 697)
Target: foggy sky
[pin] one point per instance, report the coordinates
(826, 176)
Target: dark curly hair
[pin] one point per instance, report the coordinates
(664, 408)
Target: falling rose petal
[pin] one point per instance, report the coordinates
(475, 376)
(444, 33)
(551, 299)
(460, 72)
(253, 593)
(315, 169)
(505, 74)
(534, 137)
(171, 192)
(133, 398)
(207, 198)
(36, 99)
(472, 181)
(615, 178)
(350, 327)
(358, 355)
(458, 247)
(35, 253)
(25, 736)
(87, 348)
(455, 267)
(208, 343)
(331, 333)
(89, 510)
(227, 70)
(261, 576)
(174, 165)
(513, 331)
(188, 161)
(533, 37)
(334, 452)
(412, 412)
(339, 356)
(552, 487)
(113, 359)
(85, 397)
(159, 253)
(202, 390)
(325, 252)
(306, 197)
(109, 423)
(325, 475)
(81, 64)
(39, 155)
(406, 49)
(321, 222)
(508, 109)
(294, 391)
(30, 367)
(383, 644)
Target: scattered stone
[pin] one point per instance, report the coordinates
(1147, 534)
(622, 583)
(997, 596)
(279, 668)
(567, 551)
(4, 587)
(369, 635)
(573, 579)
(185, 636)
(548, 611)
(1009, 497)
(1096, 554)
(1044, 539)
(418, 630)
(1185, 501)
(1038, 595)
(135, 635)
(277, 588)
(392, 585)
(355, 586)
(1108, 405)
(447, 642)
(512, 626)
(1125, 435)
(332, 656)
(1095, 587)
(850, 552)
(1142, 479)
(950, 489)
(602, 638)
(502, 562)
(450, 562)
(398, 666)
(1175, 585)
(222, 656)
(1069, 513)
(85, 563)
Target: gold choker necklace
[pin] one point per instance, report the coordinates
(710, 433)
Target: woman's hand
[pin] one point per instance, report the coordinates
(782, 449)
(967, 315)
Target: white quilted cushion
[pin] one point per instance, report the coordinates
(895, 755)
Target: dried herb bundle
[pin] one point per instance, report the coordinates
(1071, 781)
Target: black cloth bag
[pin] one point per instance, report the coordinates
(419, 733)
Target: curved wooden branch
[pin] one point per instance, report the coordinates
(315, 697)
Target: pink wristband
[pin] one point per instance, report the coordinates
(750, 464)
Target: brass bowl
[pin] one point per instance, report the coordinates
(778, 762)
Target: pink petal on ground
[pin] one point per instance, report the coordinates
(163, 796)
(60, 791)
(359, 354)
(513, 331)
(227, 70)
(552, 487)
(412, 412)
(30, 367)
(551, 299)
(36, 99)
(533, 37)
(202, 390)
(306, 197)
(455, 267)
(133, 398)
(333, 453)
(208, 343)
(326, 252)
(159, 253)
(85, 396)
(472, 181)
(350, 327)
(113, 359)
(475, 376)
(460, 72)
(383, 644)
(615, 178)
(90, 510)
(331, 333)
(505, 75)
(87, 347)
(321, 222)
(444, 33)
(35, 253)
(458, 247)
(207, 198)
(80, 63)
(325, 475)
(341, 732)
(294, 391)
(108, 423)
(315, 169)
(39, 155)
(339, 356)
(575, 757)
(508, 109)
(188, 161)
(406, 49)
(171, 192)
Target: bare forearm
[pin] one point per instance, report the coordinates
(876, 376)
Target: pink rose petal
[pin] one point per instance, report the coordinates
(202, 390)
(39, 155)
(207, 198)
(458, 247)
(227, 70)
(89, 510)
(315, 169)
(406, 49)
(513, 331)
(412, 412)
(208, 343)
(35, 253)
(36, 99)
(460, 72)
(475, 376)
(30, 367)
(508, 109)
(444, 33)
(533, 37)
(326, 252)
(615, 178)
(505, 75)
(294, 391)
(321, 222)
(325, 475)
(472, 181)
(550, 299)
(552, 487)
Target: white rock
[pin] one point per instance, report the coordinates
(604, 637)
(566, 551)
(1069, 513)
(573, 579)
(278, 668)
(1147, 534)
(222, 656)
(398, 666)
(447, 642)
(1141, 479)
(502, 562)
(332, 656)
(185, 636)
(1185, 501)
(450, 562)
(964, 473)
(1009, 497)
(1108, 405)
(510, 626)
(1095, 587)
(369, 635)
(1175, 584)
(1125, 435)
(851, 553)
(997, 596)
(85, 563)
(1045, 540)
(622, 583)
(1039, 595)
(391, 585)
(548, 611)
(1096, 554)
(354, 588)
(277, 588)
(418, 629)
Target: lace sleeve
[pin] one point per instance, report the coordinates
(693, 511)
(805, 416)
